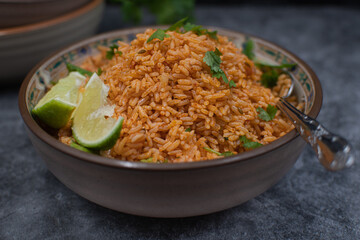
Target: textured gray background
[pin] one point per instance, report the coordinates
(308, 203)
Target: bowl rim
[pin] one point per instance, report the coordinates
(123, 164)
(51, 22)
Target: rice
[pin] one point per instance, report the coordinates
(173, 107)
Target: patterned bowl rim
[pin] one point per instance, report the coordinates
(42, 135)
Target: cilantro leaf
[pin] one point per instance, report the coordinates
(72, 68)
(267, 115)
(199, 30)
(272, 72)
(249, 144)
(99, 71)
(248, 49)
(148, 160)
(261, 64)
(225, 154)
(213, 60)
(112, 51)
(269, 79)
(178, 24)
(188, 130)
(159, 34)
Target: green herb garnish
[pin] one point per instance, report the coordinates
(269, 79)
(99, 71)
(248, 49)
(112, 51)
(148, 160)
(267, 115)
(225, 154)
(249, 144)
(261, 64)
(159, 34)
(72, 68)
(199, 30)
(213, 60)
(188, 130)
(271, 72)
(178, 24)
(226, 138)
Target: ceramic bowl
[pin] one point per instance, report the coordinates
(22, 47)
(165, 190)
(22, 12)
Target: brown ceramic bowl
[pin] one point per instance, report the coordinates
(22, 12)
(166, 190)
(23, 46)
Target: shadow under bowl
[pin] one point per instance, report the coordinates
(165, 190)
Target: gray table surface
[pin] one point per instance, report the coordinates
(308, 203)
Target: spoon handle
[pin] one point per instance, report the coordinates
(333, 151)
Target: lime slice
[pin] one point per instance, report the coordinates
(81, 148)
(56, 107)
(93, 125)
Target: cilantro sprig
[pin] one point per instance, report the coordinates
(72, 68)
(197, 29)
(271, 72)
(112, 51)
(248, 49)
(158, 34)
(213, 60)
(182, 23)
(267, 115)
(225, 154)
(188, 130)
(179, 24)
(249, 144)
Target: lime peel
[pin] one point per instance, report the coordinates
(93, 125)
(56, 107)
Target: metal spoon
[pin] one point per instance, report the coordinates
(334, 152)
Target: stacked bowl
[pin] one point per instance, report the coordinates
(32, 29)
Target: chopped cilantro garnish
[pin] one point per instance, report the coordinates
(267, 115)
(178, 24)
(225, 154)
(269, 79)
(72, 68)
(159, 34)
(213, 60)
(248, 49)
(188, 130)
(112, 51)
(249, 144)
(99, 71)
(148, 160)
(261, 64)
(199, 30)
(226, 138)
(271, 72)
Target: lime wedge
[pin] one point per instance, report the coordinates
(56, 107)
(81, 148)
(93, 126)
